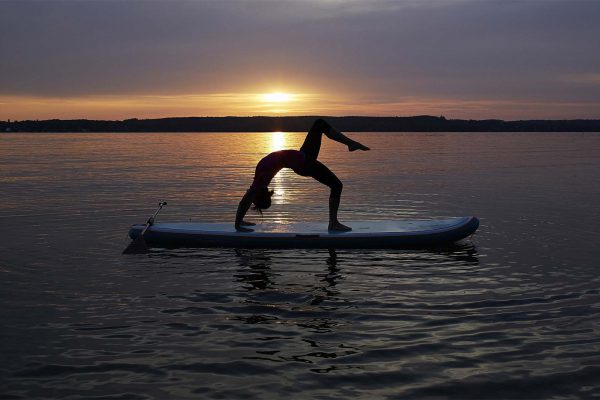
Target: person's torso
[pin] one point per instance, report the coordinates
(271, 164)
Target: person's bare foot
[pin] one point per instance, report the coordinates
(336, 226)
(357, 146)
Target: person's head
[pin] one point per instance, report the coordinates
(262, 199)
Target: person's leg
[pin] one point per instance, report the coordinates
(334, 134)
(312, 143)
(321, 173)
(334, 224)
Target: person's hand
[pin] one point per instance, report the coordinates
(242, 229)
(246, 223)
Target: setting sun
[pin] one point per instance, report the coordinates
(277, 97)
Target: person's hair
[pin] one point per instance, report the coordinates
(262, 200)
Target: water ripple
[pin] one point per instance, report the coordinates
(513, 313)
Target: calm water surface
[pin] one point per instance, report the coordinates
(513, 312)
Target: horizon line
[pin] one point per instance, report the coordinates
(441, 117)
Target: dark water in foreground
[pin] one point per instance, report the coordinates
(512, 313)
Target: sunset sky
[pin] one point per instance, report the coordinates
(150, 59)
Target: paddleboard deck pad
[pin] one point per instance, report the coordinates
(364, 234)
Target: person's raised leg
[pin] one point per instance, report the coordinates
(334, 134)
(312, 143)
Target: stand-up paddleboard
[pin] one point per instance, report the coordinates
(364, 234)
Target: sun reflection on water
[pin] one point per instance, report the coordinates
(278, 141)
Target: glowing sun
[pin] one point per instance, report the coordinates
(277, 97)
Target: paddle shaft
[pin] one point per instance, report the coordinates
(138, 244)
(150, 221)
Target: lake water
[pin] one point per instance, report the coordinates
(513, 312)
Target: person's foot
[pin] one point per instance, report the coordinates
(336, 226)
(357, 146)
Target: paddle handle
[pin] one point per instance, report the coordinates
(151, 219)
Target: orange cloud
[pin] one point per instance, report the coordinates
(250, 104)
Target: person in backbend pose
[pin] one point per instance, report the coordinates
(303, 162)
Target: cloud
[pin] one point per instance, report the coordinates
(357, 50)
(583, 79)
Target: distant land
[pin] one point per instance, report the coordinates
(301, 124)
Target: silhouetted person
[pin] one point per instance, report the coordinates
(303, 162)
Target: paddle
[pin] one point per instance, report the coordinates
(138, 245)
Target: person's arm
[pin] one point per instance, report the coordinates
(242, 209)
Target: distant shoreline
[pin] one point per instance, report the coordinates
(423, 123)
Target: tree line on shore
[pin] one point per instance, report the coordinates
(301, 124)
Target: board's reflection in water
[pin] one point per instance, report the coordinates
(290, 286)
(256, 272)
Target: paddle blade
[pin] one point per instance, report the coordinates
(137, 245)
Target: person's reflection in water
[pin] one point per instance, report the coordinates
(256, 273)
(256, 270)
(330, 278)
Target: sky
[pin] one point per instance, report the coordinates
(528, 59)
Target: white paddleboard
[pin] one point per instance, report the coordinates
(364, 234)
